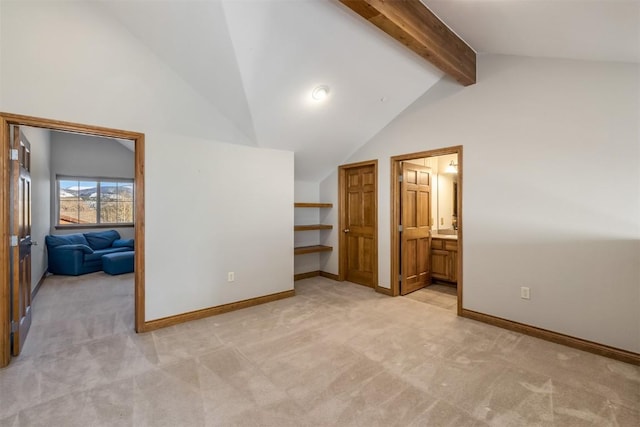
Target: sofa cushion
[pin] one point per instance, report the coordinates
(101, 239)
(97, 254)
(120, 243)
(66, 239)
(84, 248)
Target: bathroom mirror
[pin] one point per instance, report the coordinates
(446, 183)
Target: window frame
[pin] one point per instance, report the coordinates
(98, 181)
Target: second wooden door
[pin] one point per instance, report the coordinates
(416, 228)
(359, 209)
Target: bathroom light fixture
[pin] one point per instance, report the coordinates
(452, 168)
(320, 92)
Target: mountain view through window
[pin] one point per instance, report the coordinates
(87, 202)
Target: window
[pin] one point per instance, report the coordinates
(94, 201)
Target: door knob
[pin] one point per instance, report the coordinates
(346, 230)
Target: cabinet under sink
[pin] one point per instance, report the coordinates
(444, 259)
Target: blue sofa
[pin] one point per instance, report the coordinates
(76, 254)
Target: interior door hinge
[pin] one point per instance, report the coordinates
(13, 154)
(400, 278)
(14, 241)
(400, 178)
(400, 228)
(14, 327)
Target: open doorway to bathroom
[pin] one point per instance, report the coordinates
(426, 232)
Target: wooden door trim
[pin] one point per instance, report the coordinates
(342, 255)
(5, 298)
(7, 120)
(395, 215)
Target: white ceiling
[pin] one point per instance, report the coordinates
(257, 61)
(192, 38)
(599, 30)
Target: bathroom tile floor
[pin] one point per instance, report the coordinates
(439, 295)
(336, 354)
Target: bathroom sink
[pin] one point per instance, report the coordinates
(447, 232)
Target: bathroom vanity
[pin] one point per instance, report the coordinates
(444, 257)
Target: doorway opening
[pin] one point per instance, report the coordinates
(12, 296)
(426, 225)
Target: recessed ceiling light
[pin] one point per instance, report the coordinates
(320, 93)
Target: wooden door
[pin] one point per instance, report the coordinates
(415, 190)
(359, 225)
(21, 254)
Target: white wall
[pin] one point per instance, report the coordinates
(103, 75)
(88, 156)
(562, 212)
(1, 20)
(40, 199)
(328, 194)
(85, 155)
(211, 207)
(223, 208)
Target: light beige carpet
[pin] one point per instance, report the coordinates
(337, 354)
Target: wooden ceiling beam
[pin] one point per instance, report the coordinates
(411, 23)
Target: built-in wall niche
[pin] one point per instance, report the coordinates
(444, 183)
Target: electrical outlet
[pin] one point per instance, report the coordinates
(525, 293)
(231, 276)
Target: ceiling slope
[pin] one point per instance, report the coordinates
(77, 61)
(285, 49)
(192, 38)
(257, 61)
(598, 30)
(249, 66)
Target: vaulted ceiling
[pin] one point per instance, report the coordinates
(257, 61)
(597, 30)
